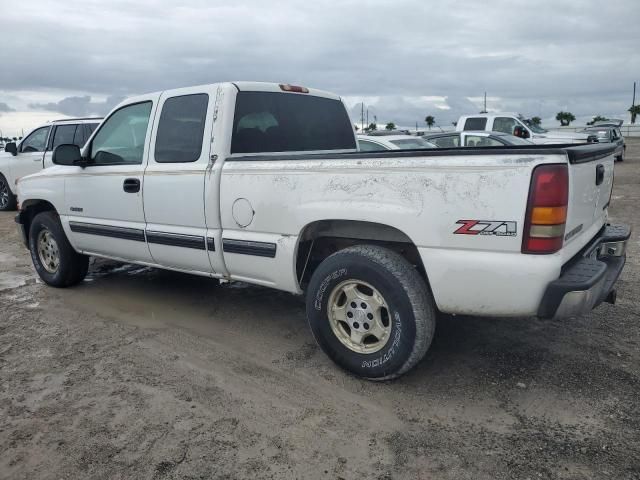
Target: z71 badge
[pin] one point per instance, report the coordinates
(487, 227)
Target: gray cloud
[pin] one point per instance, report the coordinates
(79, 106)
(536, 57)
(5, 108)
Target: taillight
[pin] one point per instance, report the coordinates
(546, 209)
(293, 88)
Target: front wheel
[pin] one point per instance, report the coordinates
(7, 199)
(371, 312)
(55, 260)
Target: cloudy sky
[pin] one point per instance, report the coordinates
(405, 59)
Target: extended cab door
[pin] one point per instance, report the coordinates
(174, 181)
(30, 154)
(103, 202)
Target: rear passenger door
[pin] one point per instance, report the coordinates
(174, 181)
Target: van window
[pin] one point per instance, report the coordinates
(505, 125)
(289, 122)
(181, 129)
(475, 123)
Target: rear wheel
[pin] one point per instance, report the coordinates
(371, 312)
(55, 260)
(7, 199)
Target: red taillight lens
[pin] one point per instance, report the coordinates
(293, 88)
(546, 209)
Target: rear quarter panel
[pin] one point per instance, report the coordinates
(424, 197)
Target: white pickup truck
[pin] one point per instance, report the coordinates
(263, 183)
(515, 124)
(34, 152)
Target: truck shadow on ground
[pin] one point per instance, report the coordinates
(466, 352)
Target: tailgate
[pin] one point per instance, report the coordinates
(590, 185)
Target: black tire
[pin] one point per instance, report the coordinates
(410, 308)
(7, 199)
(72, 266)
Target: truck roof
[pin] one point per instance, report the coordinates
(242, 86)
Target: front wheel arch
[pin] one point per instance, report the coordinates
(30, 208)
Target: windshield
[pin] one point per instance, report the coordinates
(534, 128)
(412, 143)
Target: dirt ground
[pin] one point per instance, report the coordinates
(146, 374)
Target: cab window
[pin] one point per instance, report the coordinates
(122, 136)
(35, 142)
(504, 125)
(181, 129)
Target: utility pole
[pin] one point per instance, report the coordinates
(362, 115)
(484, 110)
(367, 116)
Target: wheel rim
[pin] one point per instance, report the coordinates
(4, 194)
(359, 316)
(48, 251)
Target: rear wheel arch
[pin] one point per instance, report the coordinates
(320, 239)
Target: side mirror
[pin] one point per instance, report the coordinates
(12, 148)
(521, 132)
(68, 154)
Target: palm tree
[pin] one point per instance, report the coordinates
(390, 126)
(372, 126)
(635, 111)
(536, 120)
(430, 121)
(565, 118)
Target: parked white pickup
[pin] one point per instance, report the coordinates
(514, 124)
(263, 183)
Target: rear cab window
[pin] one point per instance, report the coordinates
(289, 122)
(475, 123)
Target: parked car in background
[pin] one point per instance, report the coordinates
(474, 139)
(371, 143)
(34, 152)
(380, 242)
(515, 124)
(613, 122)
(609, 134)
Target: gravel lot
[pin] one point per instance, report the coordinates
(140, 373)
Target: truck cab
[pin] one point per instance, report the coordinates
(515, 124)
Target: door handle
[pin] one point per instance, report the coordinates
(131, 185)
(599, 174)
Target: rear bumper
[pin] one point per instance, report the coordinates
(22, 229)
(588, 279)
